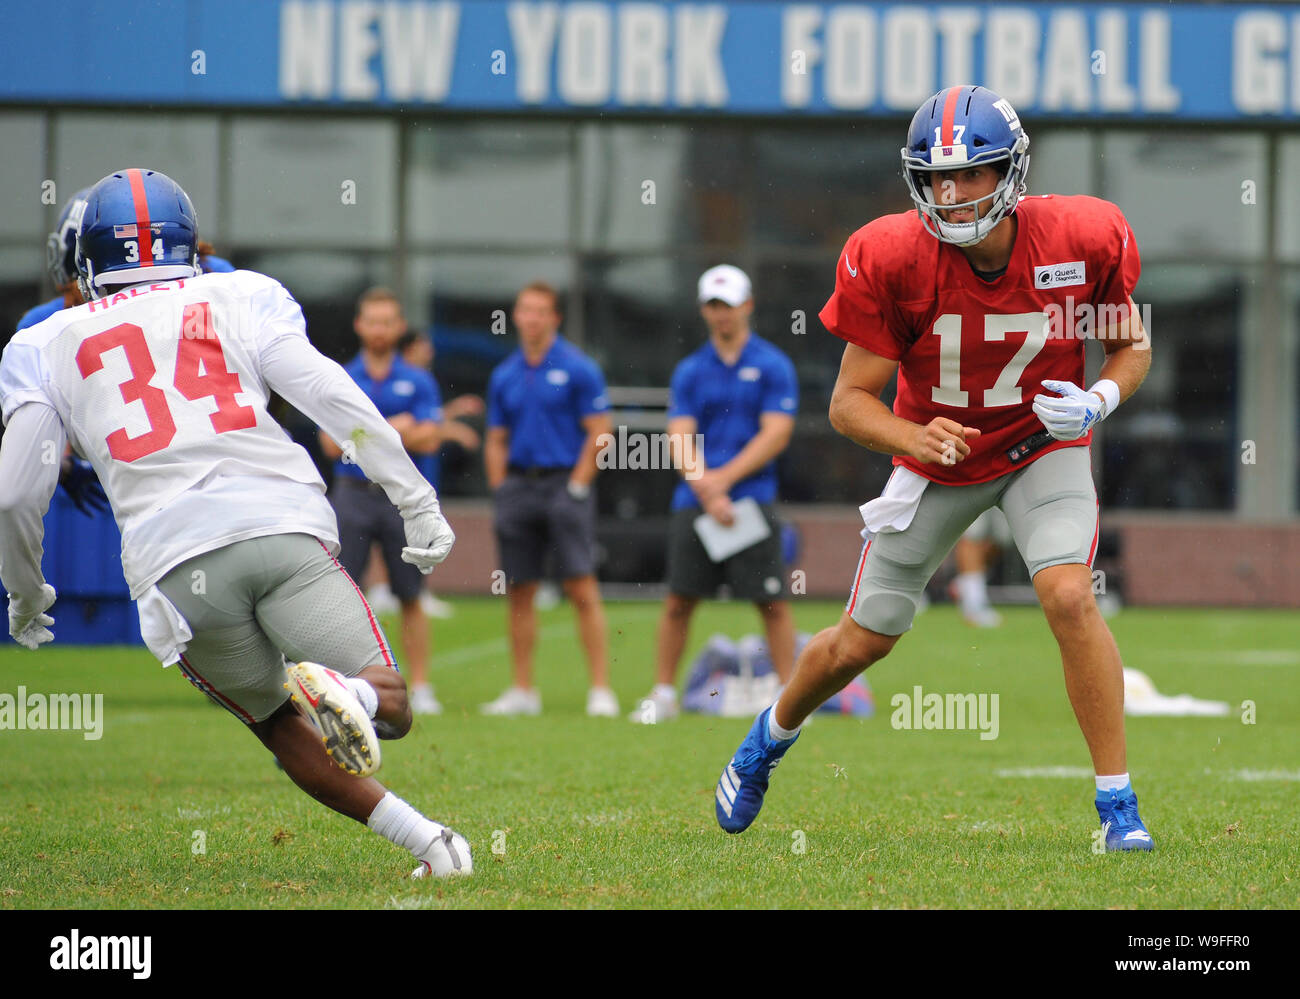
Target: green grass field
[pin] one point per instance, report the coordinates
(600, 813)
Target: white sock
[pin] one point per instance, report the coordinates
(664, 690)
(366, 694)
(1115, 782)
(401, 824)
(777, 732)
(972, 590)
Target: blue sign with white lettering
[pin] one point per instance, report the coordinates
(1050, 60)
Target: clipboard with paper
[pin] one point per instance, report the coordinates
(748, 529)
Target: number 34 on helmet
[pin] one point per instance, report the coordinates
(956, 129)
(138, 225)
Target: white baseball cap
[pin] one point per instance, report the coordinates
(730, 284)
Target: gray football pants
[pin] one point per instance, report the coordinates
(255, 603)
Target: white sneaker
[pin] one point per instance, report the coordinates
(326, 700)
(601, 703)
(447, 855)
(655, 708)
(981, 617)
(434, 607)
(423, 702)
(515, 701)
(381, 600)
(547, 596)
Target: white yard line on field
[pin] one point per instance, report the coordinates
(1291, 775)
(1071, 772)
(492, 647)
(1237, 657)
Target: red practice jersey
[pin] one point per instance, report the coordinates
(976, 351)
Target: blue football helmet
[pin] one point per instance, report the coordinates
(61, 244)
(958, 128)
(138, 225)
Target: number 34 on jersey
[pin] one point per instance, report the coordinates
(200, 372)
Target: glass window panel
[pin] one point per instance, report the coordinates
(1175, 444)
(815, 188)
(697, 195)
(1061, 162)
(641, 316)
(288, 176)
(499, 182)
(842, 471)
(326, 285)
(715, 177)
(464, 288)
(823, 466)
(22, 169)
(455, 296)
(22, 284)
(788, 295)
(89, 145)
(1288, 199)
(22, 262)
(1181, 191)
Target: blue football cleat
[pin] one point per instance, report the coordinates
(743, 784)
(1120, 822)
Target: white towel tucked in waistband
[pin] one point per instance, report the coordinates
(894, 509)
(162, 626)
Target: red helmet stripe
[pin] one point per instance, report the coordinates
(144, 232)
(949, 112)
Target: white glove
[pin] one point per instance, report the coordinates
(1069, 417)
(30, 626)
(429, 539)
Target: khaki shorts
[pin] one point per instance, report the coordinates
(264, 600)
(1050, 505)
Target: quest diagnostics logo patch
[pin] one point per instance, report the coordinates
(1059, 275)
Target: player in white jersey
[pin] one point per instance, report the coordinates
(161, 380)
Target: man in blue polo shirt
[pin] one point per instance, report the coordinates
(546, 410)
(740, 394)
(408, 398)
(416, 347)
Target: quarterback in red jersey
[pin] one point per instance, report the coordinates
(974, 350)
(982, 301)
